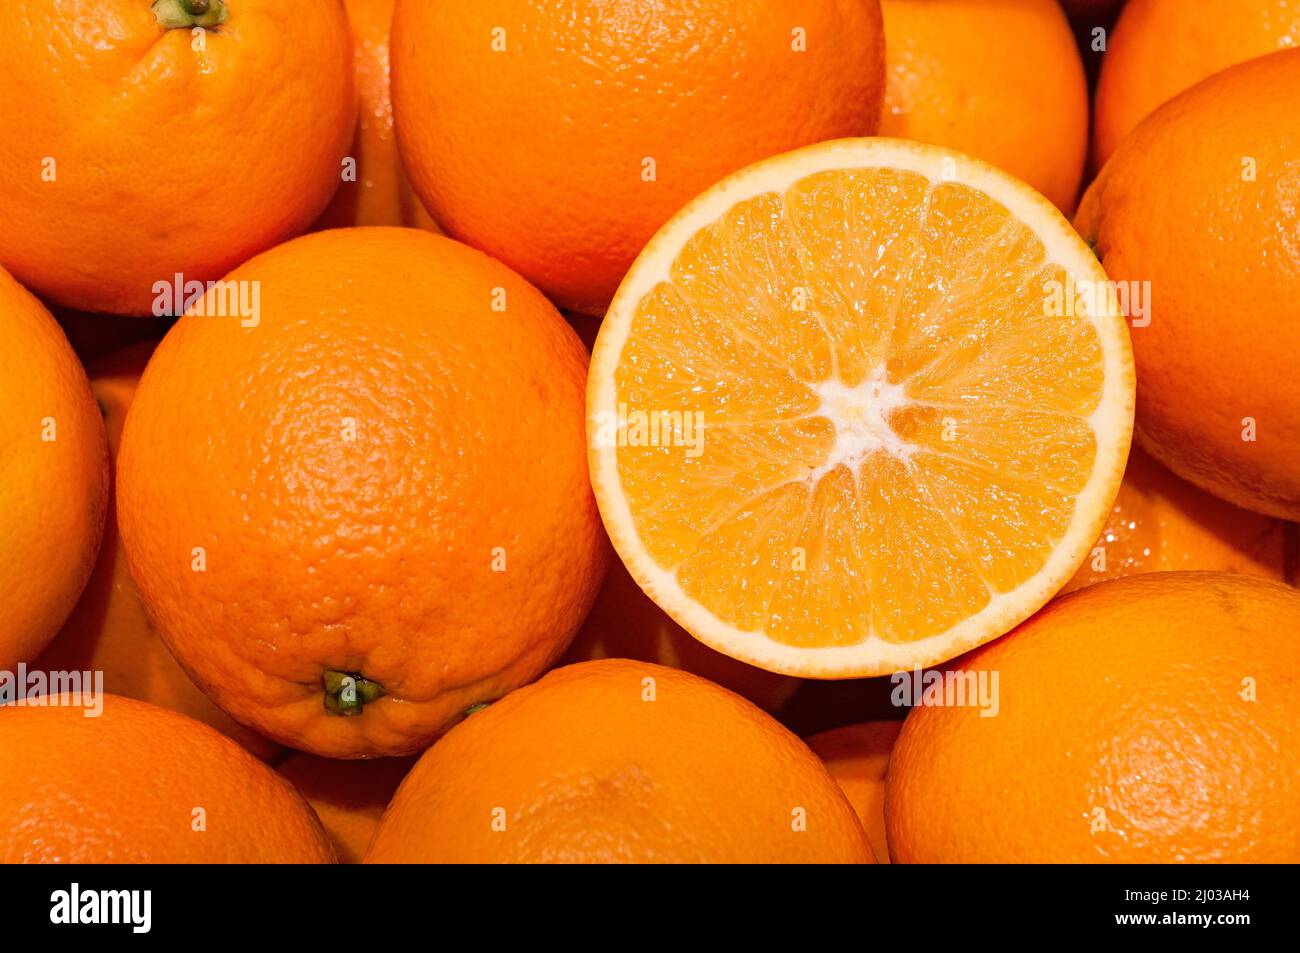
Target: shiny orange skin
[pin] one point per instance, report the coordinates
(537, 153)
(1159, 48)
(380, 194)
(626, 623)
(1215, 168)
(166, 159)
(1125, 733)
(394, 486)
(142, 784)
(53, 476)
(619, 761)
(857, 756)
(349, 797)
(999, 79)
(107, 630)
(1160, 523)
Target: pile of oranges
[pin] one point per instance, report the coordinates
(518, 431)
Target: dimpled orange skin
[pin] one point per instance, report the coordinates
(538, 154)
(107, 630)
(1216, 168)
(857, 757)
(53, 476)
(1160, 523)
(999, 79)
(208, 167)
(95, 790)
(1159, 48)
(349, 797)
(582, 768)
(626, 623)
(381, 194)
(1121, 735)
(387, 478)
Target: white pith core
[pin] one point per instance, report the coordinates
(861, 418)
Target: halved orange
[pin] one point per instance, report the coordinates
(859, 407)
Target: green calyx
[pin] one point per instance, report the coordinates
(346, 693)
(187, 14)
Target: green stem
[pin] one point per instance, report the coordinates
(187, 14)
(346, 693)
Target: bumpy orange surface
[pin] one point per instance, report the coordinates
(559, 137)
(626, 623)
(377, 496)
(620, 761)
(1201, 201)
(107, 631)
(380, 194)
(857, 757)
(1161, 47)
(1149, 719)
(349, 797)
(53, 476)
(1160, 523)
(998, 79)
(141, 784)
(132, 152)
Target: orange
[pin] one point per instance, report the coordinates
(999, 79)
(141, 784)
(1153, 719)
(1215, 349)
(53, 476)
(619, 761)
(107, 631)
(558, 137)
(368, 510)
(136, 148)
(852, 412)
(1159, 48)
(349, 797)
(625, 623)
(857, 757)
(376, 191)
(1160, 523)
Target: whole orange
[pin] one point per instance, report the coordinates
(1159, 48)
(559, 137)
(366, 508)
(999, 79)
(1160, 523)
(377, 192)
(619, 761)
(53, 476)
(626, 623)
(349, 797)
(141, 784)
(107, 630)
(1199, 207)
(857, 756)
(1153, 719)
(141, 142)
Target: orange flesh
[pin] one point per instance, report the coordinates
(895, 424)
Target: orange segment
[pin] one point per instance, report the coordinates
(859, 407)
